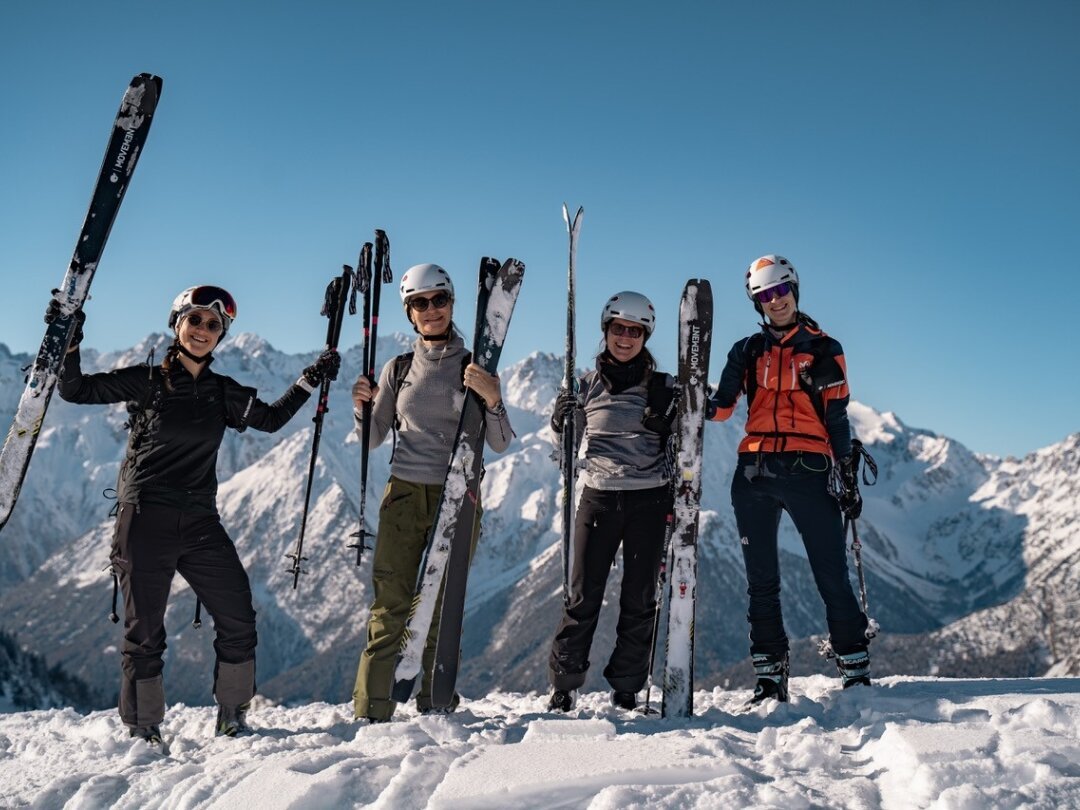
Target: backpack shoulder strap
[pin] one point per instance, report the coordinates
(824, 373)
(402, 364)
(753, 349)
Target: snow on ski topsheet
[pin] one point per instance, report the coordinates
(499, 309)
(904, 743)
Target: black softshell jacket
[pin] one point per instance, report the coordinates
(172, 452)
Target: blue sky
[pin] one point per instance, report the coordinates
(917, 162)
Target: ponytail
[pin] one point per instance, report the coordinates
(166, 364)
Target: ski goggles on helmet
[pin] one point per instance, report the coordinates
(214, 297)
(779, 291)
(439, 300)
(620, 329)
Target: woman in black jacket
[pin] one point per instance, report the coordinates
(167, 520)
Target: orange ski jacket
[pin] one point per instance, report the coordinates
(796, 388)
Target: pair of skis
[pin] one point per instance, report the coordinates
(449, 547)
(129, 133)
(341, 292)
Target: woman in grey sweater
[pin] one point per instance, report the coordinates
(421, 396)
(626, 413)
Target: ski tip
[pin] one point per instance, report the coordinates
(148, 79)
(513, 266)
(576, 221)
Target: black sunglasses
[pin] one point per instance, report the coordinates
(418, 304)
(619, 330)
(212, 325)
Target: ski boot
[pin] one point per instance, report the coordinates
(624, 700)
(561, 701)
(854, 668)
(152, 734)
(772, 678)
(232, 721)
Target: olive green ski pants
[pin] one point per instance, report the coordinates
(406, 515)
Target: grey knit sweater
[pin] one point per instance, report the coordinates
(428, 405)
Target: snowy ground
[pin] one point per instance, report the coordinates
(906, 742)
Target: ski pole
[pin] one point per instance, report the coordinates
(859, 453)
(337, 296)
(363, 282)
(371, 281)
(856, 550)
(661, 581)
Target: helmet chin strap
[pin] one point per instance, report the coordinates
(180, 348)
(449, 333)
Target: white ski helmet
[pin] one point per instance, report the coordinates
(422, 278)
(629, 306)
(768, 272)
(203, 297)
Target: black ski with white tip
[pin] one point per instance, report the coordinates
(695, 336)
(126, 143)
(448, 548)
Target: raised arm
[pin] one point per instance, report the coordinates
(122, 385)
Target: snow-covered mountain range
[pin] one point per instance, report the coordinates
(967, 556)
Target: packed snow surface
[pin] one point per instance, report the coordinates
(905, 742)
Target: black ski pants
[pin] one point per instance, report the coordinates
(764, 486)
(152, 543)
(636, 519)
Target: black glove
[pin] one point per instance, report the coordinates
(661, 422)
(565, 403)
(53, 312)
(325, 368)
(848, 495)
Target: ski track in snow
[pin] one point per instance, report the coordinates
(906, 742)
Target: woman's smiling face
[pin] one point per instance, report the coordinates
(200, 331)
(621, 341)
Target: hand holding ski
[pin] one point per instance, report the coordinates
(130, 129)
(451, 533)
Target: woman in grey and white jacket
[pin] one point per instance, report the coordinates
(625, 417)
(424, 406)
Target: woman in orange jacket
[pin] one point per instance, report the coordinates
(795, 380)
